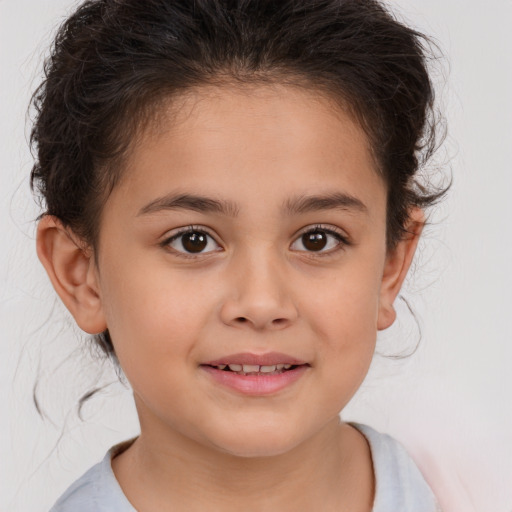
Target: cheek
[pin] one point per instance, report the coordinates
(343, 315)
(155, 327)
(346, 303)
(348, 337)
(155, 313)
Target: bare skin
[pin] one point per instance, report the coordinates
(256, 175)
(189, 480)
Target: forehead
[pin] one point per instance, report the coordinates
(262, 141)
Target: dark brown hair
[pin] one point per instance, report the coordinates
(114, 61)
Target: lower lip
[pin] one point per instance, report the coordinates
(256, 384)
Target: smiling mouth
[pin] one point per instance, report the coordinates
(254, 369)
(256, 375)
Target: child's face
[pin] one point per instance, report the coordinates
(251, 173)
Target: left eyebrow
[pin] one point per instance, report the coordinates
(190, 202)
(335, 201)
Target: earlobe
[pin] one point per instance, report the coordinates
(72, 271)
(398, 262)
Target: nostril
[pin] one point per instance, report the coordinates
(276, 323)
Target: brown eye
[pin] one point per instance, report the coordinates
(314, 240)
(319, 240)
(192, 242)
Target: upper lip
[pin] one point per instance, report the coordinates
(268, 359)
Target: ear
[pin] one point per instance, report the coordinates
(396, 267)
(73, 273)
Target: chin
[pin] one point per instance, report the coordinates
(257, 451)
(260, 443)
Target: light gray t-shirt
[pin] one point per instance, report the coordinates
(400, 486)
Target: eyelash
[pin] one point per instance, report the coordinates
(184, 231)
(342, 240)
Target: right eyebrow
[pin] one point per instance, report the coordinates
(190, 202)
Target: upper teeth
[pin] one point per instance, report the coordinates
(253, 368)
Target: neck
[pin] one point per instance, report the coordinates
(164, 470)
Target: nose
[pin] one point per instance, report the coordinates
(259, 295)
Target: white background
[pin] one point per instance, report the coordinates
(450, 403)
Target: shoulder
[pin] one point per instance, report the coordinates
(97, 490)
(399, 484)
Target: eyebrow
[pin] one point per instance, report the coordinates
(334, 201)
(299, 205)
(190, 202)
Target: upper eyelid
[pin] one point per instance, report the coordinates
(177, 232)
(323, 227)
(168, 239)
(343, 240)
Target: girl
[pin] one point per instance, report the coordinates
(231, 210)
